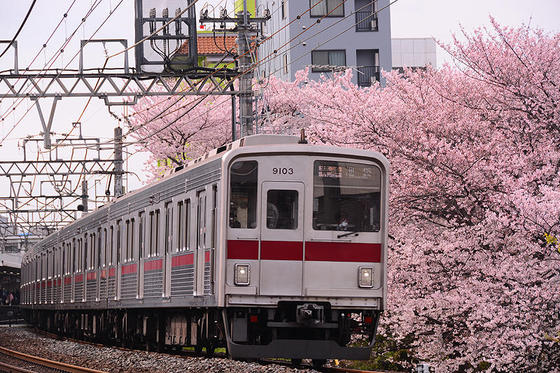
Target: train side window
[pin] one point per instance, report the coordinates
(118, 247)
(105, 247)
(126, 243)
(187, 224)
(201, 220)
(154, 233)
(131, 243)
(168, 227)
(111, 246)
(180, 226)
(151, 233)
(91, 251)
(74, 255)
(51, 263)
(140, 235)
(243, 194)
(214, 217)
(86, 256)
(129, 240)
(98, 247)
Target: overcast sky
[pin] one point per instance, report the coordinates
(409, 18)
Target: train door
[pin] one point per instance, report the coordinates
(281, 229)
(200, 241)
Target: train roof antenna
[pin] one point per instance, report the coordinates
(302, 139)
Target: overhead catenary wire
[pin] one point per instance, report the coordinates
(237, 76)
(110, 13)
(20, 28)
(51, 61)
(83, 20)
(292, 60)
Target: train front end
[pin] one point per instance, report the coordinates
(305, 251)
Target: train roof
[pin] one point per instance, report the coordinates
(274, 141)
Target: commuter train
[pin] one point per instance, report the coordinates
(268, 246)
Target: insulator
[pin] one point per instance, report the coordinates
(178, 30)
(165, 14)
(152, 23)
(223, 13)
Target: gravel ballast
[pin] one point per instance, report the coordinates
(24, 339)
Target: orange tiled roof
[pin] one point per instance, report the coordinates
(207, 46)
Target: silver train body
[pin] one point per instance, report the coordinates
(267, 246)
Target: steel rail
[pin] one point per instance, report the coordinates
(4, 367)
(47, 363)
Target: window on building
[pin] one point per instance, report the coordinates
(285, 62)
(283, 6)
(329, 8)
(327, 60)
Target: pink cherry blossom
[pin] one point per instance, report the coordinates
(475, 186)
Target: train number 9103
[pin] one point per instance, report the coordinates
(282, 171)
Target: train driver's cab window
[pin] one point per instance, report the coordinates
(282, 209)
(346, 196)
(243, 194)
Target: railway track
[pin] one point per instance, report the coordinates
(188, 354)
(14, 361)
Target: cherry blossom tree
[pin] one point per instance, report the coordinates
(473, 267)
(175, 131)
(475, 189)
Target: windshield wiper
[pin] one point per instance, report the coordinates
(347, 234)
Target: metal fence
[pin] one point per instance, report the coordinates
(366, 21)
(366, 74)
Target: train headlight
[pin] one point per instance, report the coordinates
(365, 277)
(241, 276)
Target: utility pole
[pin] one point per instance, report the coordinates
(118, 163)
(246, 79)
(85, 196)
(245, 28)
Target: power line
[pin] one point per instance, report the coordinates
(20, 28)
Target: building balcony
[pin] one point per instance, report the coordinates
(366, 20)
(367, 74)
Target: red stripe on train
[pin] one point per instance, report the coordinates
(91, 276)
(79, 278)
(130, 268)
(153, 265)
(182, 260)
(343, 252)
(314, 251)
(281, 250)
(242, 249)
